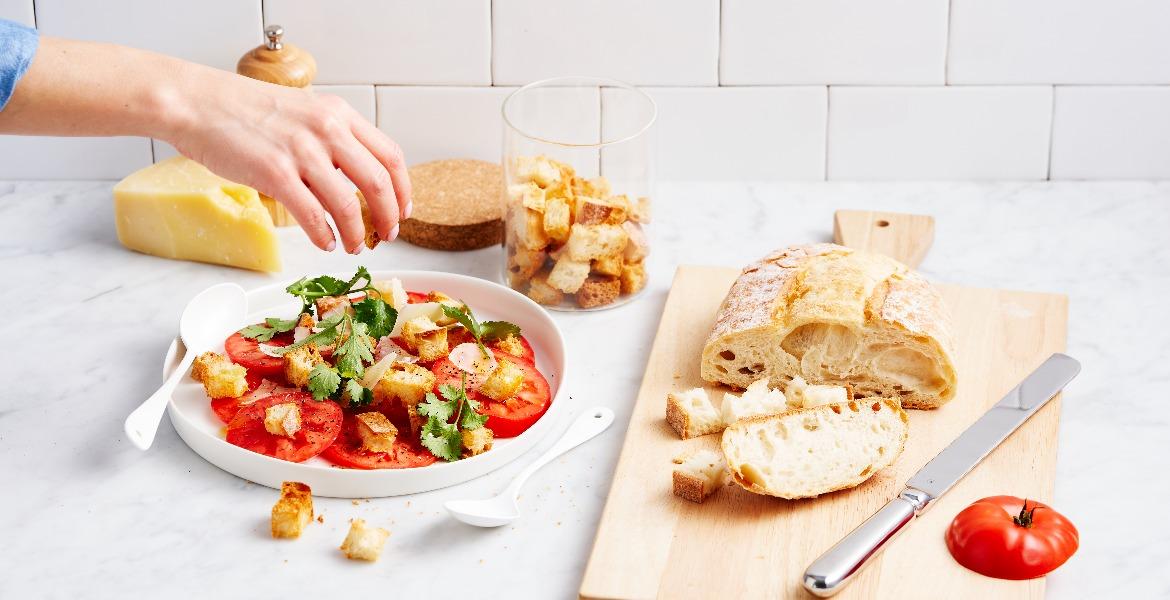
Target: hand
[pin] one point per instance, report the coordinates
(289, 144)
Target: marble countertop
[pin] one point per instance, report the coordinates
(83, 513)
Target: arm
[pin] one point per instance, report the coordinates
(285, 142)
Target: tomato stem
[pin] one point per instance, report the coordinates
(1024, 519)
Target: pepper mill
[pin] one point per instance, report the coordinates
(283, 64)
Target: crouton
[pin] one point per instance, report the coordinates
(331, 306)
(292, 511)
(526, 228)
(445, 300)
(306, 320)
(537, 169)
(598, 291)
(476, 441)
(640, 210)
(523, 264)
(621, 209)
(608, 265)
(364, 543)
(543, 293)
(392, 292)
(597, 187)
(633, 278)
(299, 363)
(424, 338)
(511, 345)
(221, 378)
(587, 242)
(529, 195)
(408, 385)
(592, 211)
(567, 274)
(283, 419)
(376, 432)
(699, 475)
(504, 382)
(637, 246)
(691, 414)
(557, 220)
(372, 238)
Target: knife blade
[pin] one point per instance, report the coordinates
(835, 568)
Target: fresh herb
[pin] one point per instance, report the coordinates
(488, 331)
(354, 351)
(309, 290)
(264, 332)
(324, 381)
(330, 329)
(446, 417)
(356, 394)
(377, 314)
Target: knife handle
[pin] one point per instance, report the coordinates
(834, 569)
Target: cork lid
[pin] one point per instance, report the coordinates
(278, 61)
(458, 205)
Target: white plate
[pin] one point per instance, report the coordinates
(191, 413)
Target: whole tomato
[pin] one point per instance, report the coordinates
(1009, 538)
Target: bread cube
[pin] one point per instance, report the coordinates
(424, 338)
(621, 209)
(542, 293)
(511, 345)
(375, 431)
(476, 441)
(598, 291)
(392, 292)
(567, 274)
(406, 384)
(588, 242)
(597, 187)
(526, 228)
(637, 246)
(372, 238)
(633, 278)
(364, 543)
(292, 511)
(504, 382)
(299, 363)
(283, 419)
(757, 400)
(640, 210)
(529, 195)
(608, 265)
(221, 378)
(523, 264)
(691, 414)
(445, 300)
(331, 306)
(537, 169)
(592, 211)
(699, 475)
(557, 220)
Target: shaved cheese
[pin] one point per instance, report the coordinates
(468, 357)
(377, 370)
(430, 310)
(269, 350)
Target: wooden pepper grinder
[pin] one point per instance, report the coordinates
(283, 64)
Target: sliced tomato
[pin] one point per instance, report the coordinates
(347, 452)
(320, 424)
(527, 353)
(510, 417)
(415, 297)
(246, 352)
(258, 389)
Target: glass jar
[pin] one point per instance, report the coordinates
(578, 169)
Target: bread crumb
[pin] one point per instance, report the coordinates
(320, 518)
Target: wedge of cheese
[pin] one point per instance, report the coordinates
(179, 209)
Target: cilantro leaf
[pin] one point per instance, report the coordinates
(264, 332)
(463, 316)
(329, 332)
(357, 395)
(442, 439)
(377, 315)
(309, 289)
(498, 330)
(486, 331)
(323, 381)
(471, 419)
(435, 409)
(352, 353)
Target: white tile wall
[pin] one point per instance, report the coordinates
(212, 32)
(1059, 41)
(740, 133)
(939, 133)
(20, 11)
(431, 123)
(833, 41)
(72, 158)
(391, 41)
(1111, 133)
(648, 42)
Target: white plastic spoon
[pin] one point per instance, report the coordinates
(207, 317)
(503, 509)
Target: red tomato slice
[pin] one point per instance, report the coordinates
(527, 354)
(415, 297)
(347, 452)
(513, 416)
(320, 424)
(246, 352)
(258, 389)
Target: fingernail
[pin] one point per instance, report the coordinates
(331, 246)
(409, 209)
(394, 232)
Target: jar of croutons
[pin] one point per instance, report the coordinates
(578, 168)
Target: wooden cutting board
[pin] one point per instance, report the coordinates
(651, 544)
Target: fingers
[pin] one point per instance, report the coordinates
(390, 155)
(337, 197)
(306, 209)
(374, 180)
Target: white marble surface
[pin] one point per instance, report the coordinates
(84, 514)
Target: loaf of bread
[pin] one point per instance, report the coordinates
(807, 452)
(834, 315)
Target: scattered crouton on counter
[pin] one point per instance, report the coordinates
(364, 543)
(292, 511)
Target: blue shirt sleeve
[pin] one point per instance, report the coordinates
(18, 44)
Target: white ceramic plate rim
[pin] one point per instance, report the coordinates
(325, 480)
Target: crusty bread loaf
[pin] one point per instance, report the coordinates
(807, 452)
(834, 315)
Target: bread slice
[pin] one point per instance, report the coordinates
(812, 451)
(837, 316)
(691, 414)
(699, 475)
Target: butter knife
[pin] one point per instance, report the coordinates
(834, 569)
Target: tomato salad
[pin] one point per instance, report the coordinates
(371, 376)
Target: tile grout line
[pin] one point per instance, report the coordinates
(947, 48)
(719, 49)
(1051, 131)
(492, 43)
(825, 162)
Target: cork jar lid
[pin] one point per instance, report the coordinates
(458, 205)
(278, 61)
